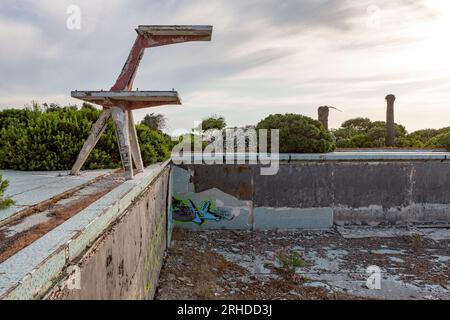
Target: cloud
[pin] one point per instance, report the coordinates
(266, 56)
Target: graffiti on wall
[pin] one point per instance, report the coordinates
(185, 210)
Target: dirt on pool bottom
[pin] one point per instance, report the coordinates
(342, 263)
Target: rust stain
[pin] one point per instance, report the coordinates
(245, 190)
(58, 214)
(44, 205)
(236, 169)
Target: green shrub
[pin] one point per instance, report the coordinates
(363, 133)
(213, 122)
(299, 133)
(423, 136)
(290, 261)
(155, 146)
(191, 142)
(440, 141)
(155, 121)
(51, 138)
(357, 124)
(4, 202)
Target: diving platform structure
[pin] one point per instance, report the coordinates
(121, 100)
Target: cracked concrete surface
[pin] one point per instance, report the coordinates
(30, 188)
(246, 265)
(23, 228)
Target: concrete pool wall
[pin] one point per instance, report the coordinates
(315, 192)
(115, 247)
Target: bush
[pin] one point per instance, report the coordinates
(51, 138)
(155, 121)
(213, 122)
(423, 136)
(357, 124)
(363, 133)
(191, 142)
(299, 133)
(4, 202)
(427, 137)
(440, 141)
(155, 146)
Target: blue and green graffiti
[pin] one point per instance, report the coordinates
(185, 210)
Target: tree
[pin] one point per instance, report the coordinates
(155, 121)
(155, 146)
(213, 122)
(299, 133)
(86, 105)
(4, 202)
(359, 124)
(377, 133)
(422, 137)
(440, 141)
(363, 133)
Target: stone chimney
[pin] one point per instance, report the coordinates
(390, 123)
(324, 112)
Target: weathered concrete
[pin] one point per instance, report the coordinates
(30, 188)
(390, 122)
(211, 208)
(324, 112)
(189, 207)
(293, 218)
(231, 179)
(117, 242)
(386, 155)
(361, 188)
(295, 186)
(125, 262)
(120, 118)
(122, 100)
(131, 99)
(25, 227)
(96, 132)
(241, 265)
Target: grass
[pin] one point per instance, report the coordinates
(416, 241)
(290, 260)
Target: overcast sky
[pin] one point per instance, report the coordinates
(266, 56)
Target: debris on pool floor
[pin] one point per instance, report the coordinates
(413, 264)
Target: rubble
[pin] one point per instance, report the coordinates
(326, 265)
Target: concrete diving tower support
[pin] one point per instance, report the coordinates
(119, 105)
(120, 101)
